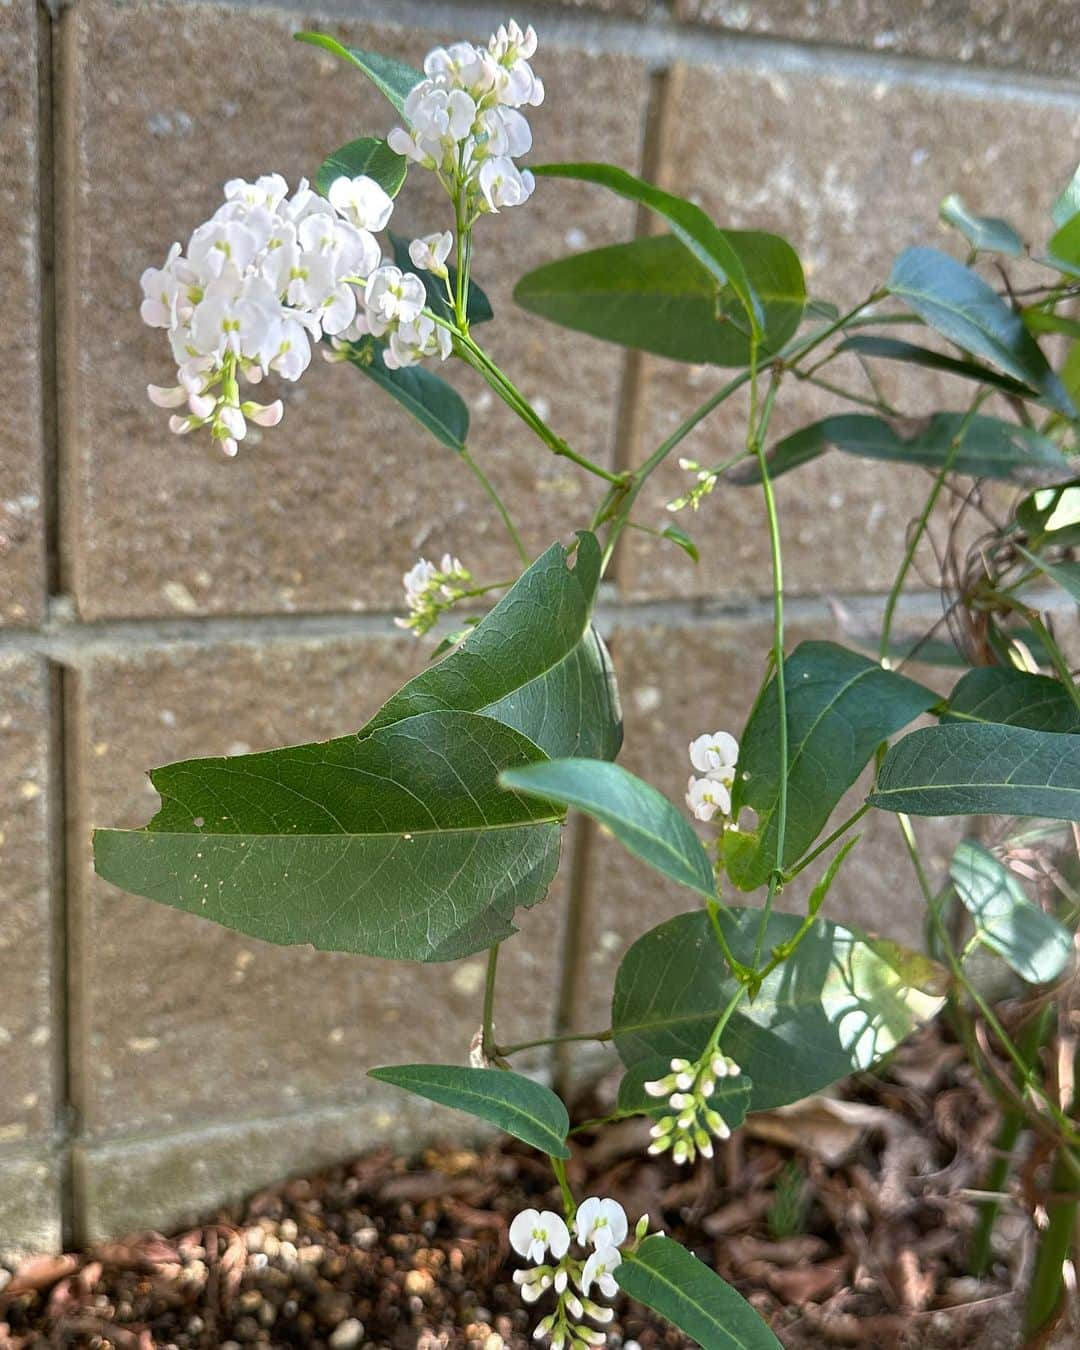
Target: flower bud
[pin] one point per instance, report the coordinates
(642, 1227)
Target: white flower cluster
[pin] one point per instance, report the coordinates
(600, 1227)
(715, 757)
(465, 120)
(688, 1087)
(706, 481)
(266, 276)
(430, 591)
(262, 278)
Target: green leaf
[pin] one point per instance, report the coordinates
(1068, 204)
(393, 79)
(840, 707)
(674, 1283)
(1064, 248)
(534, 662)
(678, 536)
(731, 1096)
(1065, 573)
(690, 224)
(972, 769)
(397, 844)
(966, 310)
(1046, 321)
(517, 1105)
(368, 156)
(655, 295)
(640, 818)
(1027, 939)
(835, 1006)
(435, 404)
(1051, 516)
(477, 305)
(1013, 697)
(991, 448)
(989, 234)
(896, 349)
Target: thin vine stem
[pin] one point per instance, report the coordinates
(757, 433)
(838, 833)
(923, 521)
(487, 1035)
(500, 506)
(557, 1040)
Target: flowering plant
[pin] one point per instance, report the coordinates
(417, 837)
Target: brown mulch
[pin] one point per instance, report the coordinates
(844, 1221)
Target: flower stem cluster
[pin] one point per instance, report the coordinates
(430, 591)
(706, 481)
(465, 123)
(693, 1124)
(714, 756)
(600, 1227)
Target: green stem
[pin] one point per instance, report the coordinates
(997, 1174)
(1056, 1245)
(487, 1042)
(840, 830)
(500, 506)
(515, 400)
(559, 1168)
(758, 446)
(725, 1018)
(557, 1040)
(801, 353)
(923, 521)
(641, 475)
(878, 404)
(742, 973)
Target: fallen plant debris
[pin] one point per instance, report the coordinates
(843, 1220)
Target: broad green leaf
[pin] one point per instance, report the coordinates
(368, 156)
(991, 448)
(838, 1003)
(655, 295)
(640, 818)
(674, 1283)
(989, 234)
(534, 662)
(975, 769)
(398, 843)
(731, 1096)
(688, 222)
(517, 1105)
(1027, 939)
(840, 707)
(1051, 516)
(678, 536)
(1014, 697)
(966, 310)
(435, 404)
(1068, 204)
(393, 79)
(896, 349)
(477, 305)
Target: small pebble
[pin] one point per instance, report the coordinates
(347, 1334)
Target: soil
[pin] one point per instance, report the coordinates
(845, 1221)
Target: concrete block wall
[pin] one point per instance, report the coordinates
(157, 602)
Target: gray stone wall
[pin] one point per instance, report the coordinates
(156, 602)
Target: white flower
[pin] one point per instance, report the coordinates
(598, 1268)
(534, 1232)
(361, 201)
(431, 251)
(706, 796)
(503, 184)
(600, 1222)
(390, 295)
(717, 753)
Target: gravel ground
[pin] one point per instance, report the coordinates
(843, 1221)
